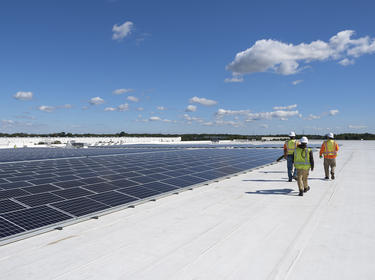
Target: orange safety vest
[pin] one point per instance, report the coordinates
(330, 149)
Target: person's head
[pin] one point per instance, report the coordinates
(330, 136)
(304, 141)
(292, 135)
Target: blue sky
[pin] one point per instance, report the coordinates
(247, 67)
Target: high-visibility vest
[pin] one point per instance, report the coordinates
(291, 146)
(302, 158)
(329, 148)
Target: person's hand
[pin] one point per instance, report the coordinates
(312, 169)
(320, 156)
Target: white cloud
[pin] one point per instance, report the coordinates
(96, 101)
(346, 62)
(282, 58)
(290, 107)
(208, 123)
(191, 108)
(47, 109)
(66, 106)
(264, 126)
(234, 79)
(140, 109)
(155, 118)
(280, 114)
(109, 109)
(132, 98)
(23, 95)
(296, 82)
(351, 126)
(333, 112)
(123, 107)
(161, 108)
(122, 90)
(7, 123)
(203, 101)
(190, 118)
(222, 112)
(121, 31)
(313, 117)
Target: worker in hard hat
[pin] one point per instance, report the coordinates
(329, 149)
(289, 148)
(303, 161)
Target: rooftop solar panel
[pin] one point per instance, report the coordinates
(60, 186)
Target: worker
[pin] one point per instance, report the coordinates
(289, 148)
(303, 162)
(329, 149)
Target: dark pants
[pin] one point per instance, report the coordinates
(289, 162)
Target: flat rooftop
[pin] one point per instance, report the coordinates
(251, 226)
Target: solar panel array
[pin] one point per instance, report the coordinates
(41, 194)
(24, 154)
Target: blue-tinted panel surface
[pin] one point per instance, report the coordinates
(8, 229)
(36, 217)
(85, 182)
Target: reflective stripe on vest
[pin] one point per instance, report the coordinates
(302, 158)
(291, 146)
(330, 148)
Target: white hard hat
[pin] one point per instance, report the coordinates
(304, 140)
(292, 134)
(330, 135)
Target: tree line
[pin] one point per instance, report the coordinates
(194, 137)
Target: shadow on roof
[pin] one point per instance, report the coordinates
(273, 191)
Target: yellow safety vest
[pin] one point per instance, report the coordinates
(330, 148)
(302, 158)
(291, 146)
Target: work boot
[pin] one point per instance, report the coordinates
(332, 176)
(307, 189)
(290, 180)
(300, 193)
(326, 177)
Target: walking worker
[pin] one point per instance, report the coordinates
(303, 161)
(329, 150)
(289, 148)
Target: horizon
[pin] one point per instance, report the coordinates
(187, 68)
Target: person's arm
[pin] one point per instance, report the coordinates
(285, 151)
(322, 148)
(337, 147)
(311, 160)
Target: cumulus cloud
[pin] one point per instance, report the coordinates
(346, 62)
(140, 109)
(119, 108)
(313, 117)
(280, 114)
(333, 112)
(96, 101)
(23, 95)
(132, 98)
(47, 109)
(234, 79)
(352, 126)
(191, 108)
(203, 101)
(296, 82)
(290, 107)
(189, 118)
(123, 107)
(122, 90)
(222, 112)
(161, 108)
(285, 59)
(123, 30)
(7, 123)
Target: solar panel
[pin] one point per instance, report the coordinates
(70, 188)
(37, 217)
(8, 229)
(80, 206)
(7, 205)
